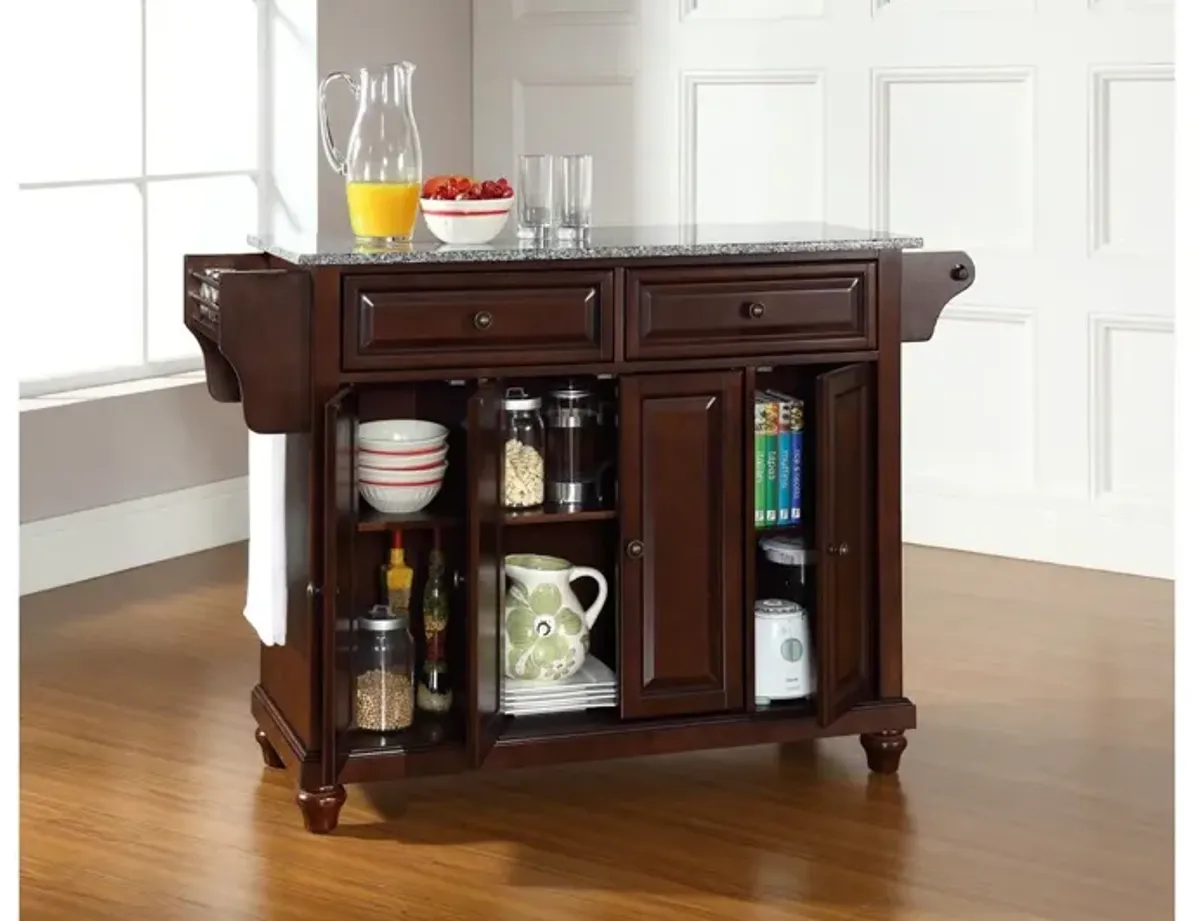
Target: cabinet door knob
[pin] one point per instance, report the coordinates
(838, 549)
(634, 549)
(483, 320)
(959, 272)
(756, 311)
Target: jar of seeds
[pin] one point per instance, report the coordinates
(384, 672)
(523, 477)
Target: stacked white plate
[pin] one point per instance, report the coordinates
(401, 463)
(594, 685)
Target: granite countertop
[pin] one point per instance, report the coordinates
(603, 243)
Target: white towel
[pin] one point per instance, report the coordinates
(266, 578)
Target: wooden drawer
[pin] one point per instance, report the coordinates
(487, 318)
(751, 310)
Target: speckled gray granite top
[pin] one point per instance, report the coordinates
(603, 243)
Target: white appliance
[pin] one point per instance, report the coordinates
(784, 666)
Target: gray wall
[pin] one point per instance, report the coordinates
(176, 438)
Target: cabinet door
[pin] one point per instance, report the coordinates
(484, 561)
(337, 620)
(845, 501)
(681, 522)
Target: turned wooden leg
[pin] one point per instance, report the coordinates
(884, 750)
(320, 808)
(270, 757)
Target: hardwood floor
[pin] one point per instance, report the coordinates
(1038, 784)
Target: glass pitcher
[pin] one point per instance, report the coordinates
(382, 163)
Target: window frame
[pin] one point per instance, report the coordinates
(259, 173)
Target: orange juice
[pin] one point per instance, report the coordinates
(383, 209)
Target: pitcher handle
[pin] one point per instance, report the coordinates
(580, 572)
(335, 157)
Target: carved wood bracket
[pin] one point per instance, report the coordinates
(929, 282)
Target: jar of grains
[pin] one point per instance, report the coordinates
(384, 672)
(523, 477)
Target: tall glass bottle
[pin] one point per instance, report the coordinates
(433, 691)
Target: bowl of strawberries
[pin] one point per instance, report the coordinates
(465, 211)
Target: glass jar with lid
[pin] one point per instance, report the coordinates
(572, 446)
(384, 671)
(523, 479)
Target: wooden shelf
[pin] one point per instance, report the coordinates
(786, 709)
(579, 722)
(434, 516)
(428, 732)
(800, 527)
(546, 516)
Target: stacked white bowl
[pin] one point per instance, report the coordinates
(401, 464)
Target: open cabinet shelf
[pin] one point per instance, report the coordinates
(434, 516)
(548, 516)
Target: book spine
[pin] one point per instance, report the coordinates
(783, 498)
(797, 427)
(760, 461)
(771, 491)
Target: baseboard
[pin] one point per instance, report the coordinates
(97, 542)
(1126, 538)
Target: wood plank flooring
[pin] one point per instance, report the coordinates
(1037, 786)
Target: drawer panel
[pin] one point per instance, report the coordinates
(750, 310)
(431, 320)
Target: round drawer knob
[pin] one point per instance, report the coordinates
(838, 549)
(960, 272)
(483, 320)
(634, 549)
(756, 311)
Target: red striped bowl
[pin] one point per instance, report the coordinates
(466, 222)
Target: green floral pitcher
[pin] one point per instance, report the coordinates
(545, 627)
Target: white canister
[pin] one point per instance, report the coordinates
(784, 665)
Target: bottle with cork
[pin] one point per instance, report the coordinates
(433, 692)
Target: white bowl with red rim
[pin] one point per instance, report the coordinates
(468, 222)
(384, 460)
(401, 437)
(375, 477)
(399, 498)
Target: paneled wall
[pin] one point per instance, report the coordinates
(1037, 134)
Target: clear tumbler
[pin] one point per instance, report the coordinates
(535, 195)
(573, 195)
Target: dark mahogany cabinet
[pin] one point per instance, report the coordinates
(682, 604)
(676, 342)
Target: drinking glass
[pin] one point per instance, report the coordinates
(535, 195)
(573, 195)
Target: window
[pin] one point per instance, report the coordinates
(140, 141)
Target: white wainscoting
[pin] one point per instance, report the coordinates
(112, 538)
(1035, 134)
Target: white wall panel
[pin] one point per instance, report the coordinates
(1132, 160)
(925, 7)
(574, 12)
(1035, 134)
(1133, 408)
(754, 147)
(751, 9)
(582, 117)
(969, 186)
(967, 430)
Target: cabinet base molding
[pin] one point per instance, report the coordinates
(880, 724)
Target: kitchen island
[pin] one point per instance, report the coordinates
(679, 328)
